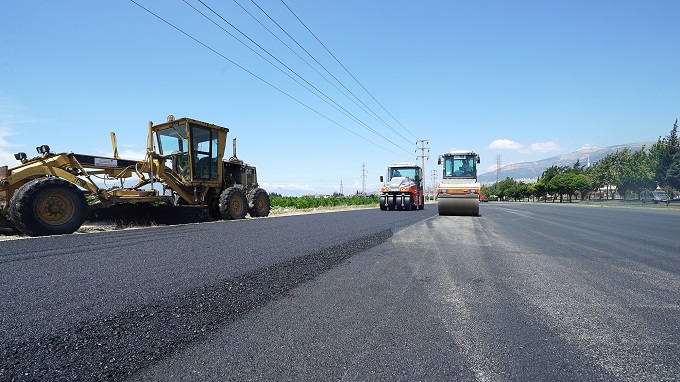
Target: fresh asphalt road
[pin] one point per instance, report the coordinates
(524, 292)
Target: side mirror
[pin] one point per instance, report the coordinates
(477, 159)
(439, 161)
(381, 178)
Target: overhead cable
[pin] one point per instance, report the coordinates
(365, 107)
(319, 93)
(258, 77)
(343, 66)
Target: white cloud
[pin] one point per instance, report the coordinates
(505, 144)
(128, 154)
(544, 147)
(295, 187)
(492, 168)
(132, 154)
(538, 147)
(6, 157)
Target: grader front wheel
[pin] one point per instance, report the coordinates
(48, 206)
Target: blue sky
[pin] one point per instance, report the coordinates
(523, 79)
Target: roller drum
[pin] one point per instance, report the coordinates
(463, 205)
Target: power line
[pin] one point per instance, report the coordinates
(258, 77)
(318, 93)
(363, 106)
(376, 116)
(348, 72)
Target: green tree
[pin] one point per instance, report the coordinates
(541, 189)
(561, 185)
(548, 175)
(582, 184)
(673, 172)
(504, 188)
(568, 183)
(662, 155)
(636, 173)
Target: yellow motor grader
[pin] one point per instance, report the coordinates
(184, 166)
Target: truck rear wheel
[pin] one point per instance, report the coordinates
(48, 206)
(422, 202)
(233, 204)
(258, 203)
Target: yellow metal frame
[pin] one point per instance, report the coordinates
(151, 170)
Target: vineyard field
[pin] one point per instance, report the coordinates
(303, 202)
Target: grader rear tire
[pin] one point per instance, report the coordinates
(48, 206)
(233, 204)
(258, 203)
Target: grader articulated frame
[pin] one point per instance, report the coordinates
(184, 166)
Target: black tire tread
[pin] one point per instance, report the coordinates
(226, 198)
(252, 205)
(22, 207)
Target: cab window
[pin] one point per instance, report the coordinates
(204, 152)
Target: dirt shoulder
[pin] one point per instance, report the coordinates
(125, 218)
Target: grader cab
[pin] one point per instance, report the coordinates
(184, 166)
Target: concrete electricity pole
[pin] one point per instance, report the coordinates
(422, 156)
(434, 183)
(498, 168)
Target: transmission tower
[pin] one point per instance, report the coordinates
(342, 193)
(498, 168)
(363, 178)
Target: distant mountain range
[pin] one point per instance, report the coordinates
(530, 171)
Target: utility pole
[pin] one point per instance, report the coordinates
(363, 179)
(434, 183)
(341, 191)
(422, 156)
(498, 168)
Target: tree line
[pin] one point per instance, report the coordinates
(623, 172)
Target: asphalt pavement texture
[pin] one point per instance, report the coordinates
(101, 306)
(522, 292)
